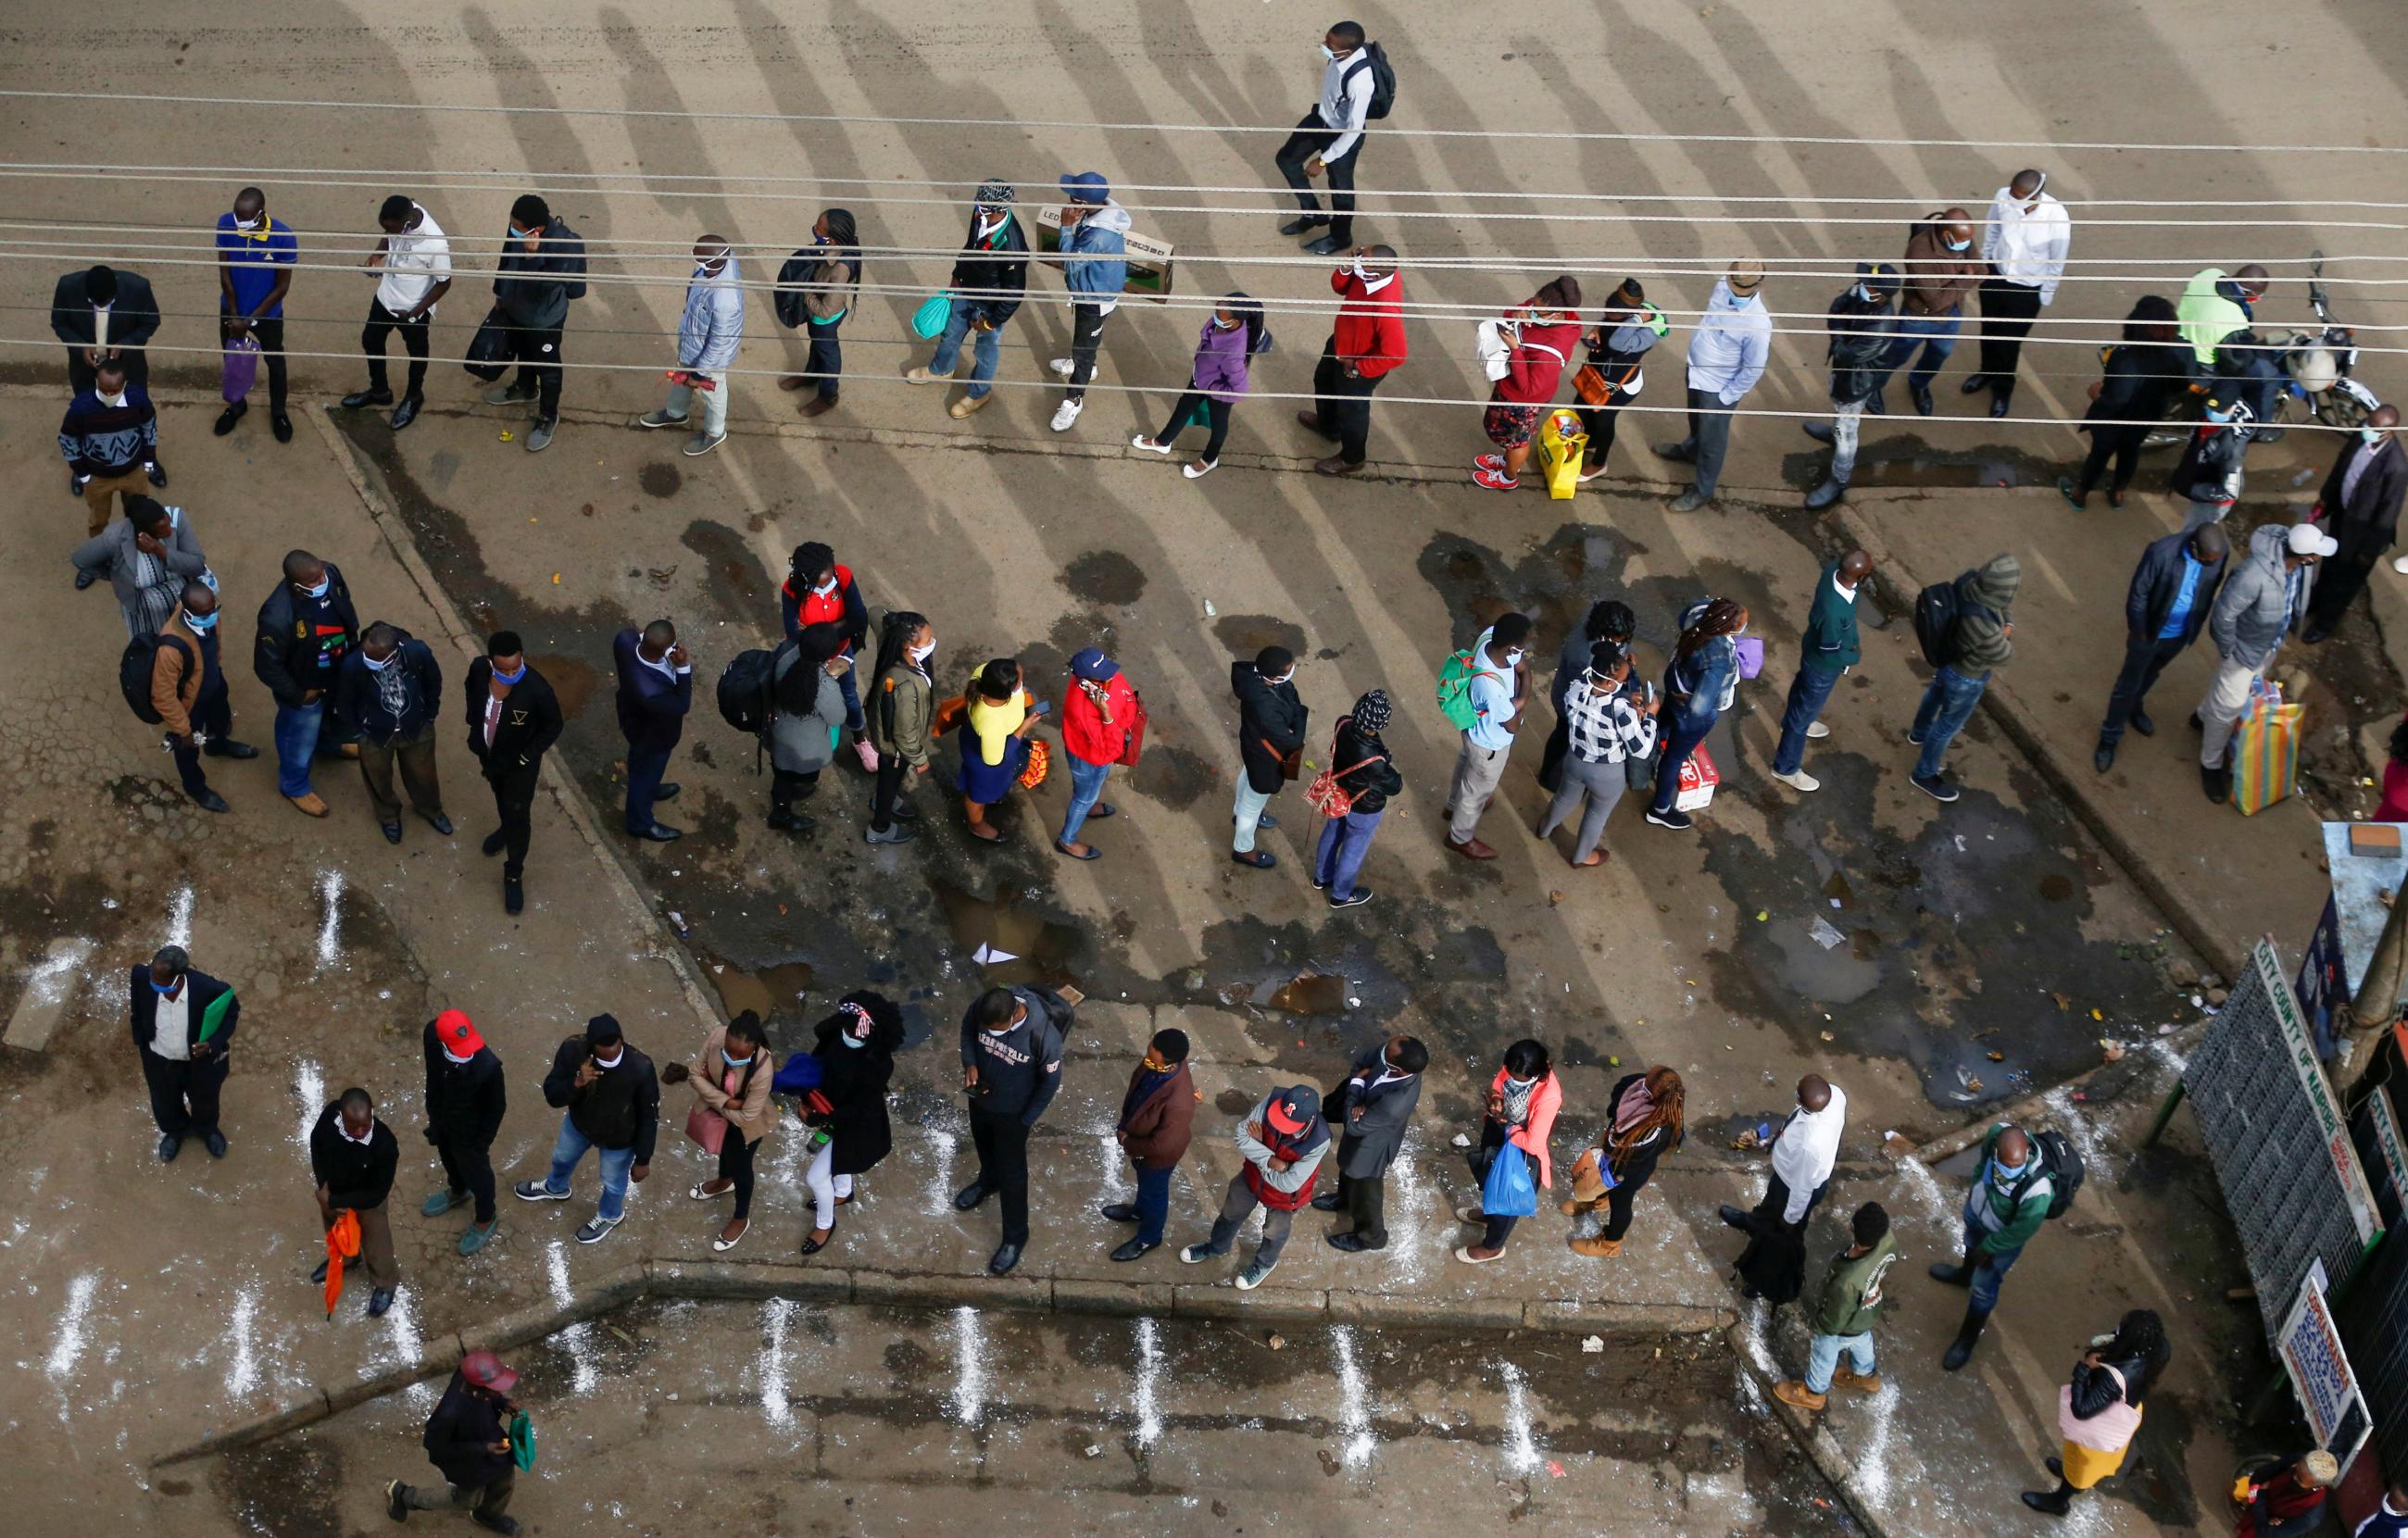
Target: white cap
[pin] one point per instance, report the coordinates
(2307, 539)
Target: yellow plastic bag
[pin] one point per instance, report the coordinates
(1562, 446)
(2265, 753)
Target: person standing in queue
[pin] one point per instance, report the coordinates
(513, 719)
(183, 1023)
(1012, 1065)
(465, 1098)
(655, 691)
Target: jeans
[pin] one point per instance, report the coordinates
(538, 353)
(2008, 311)
(1311, 138)
(1002, 1144)
(1249, 811)
(1086, 335)
(1936, 334)
(825, 1186)
(1808, 692)
(416, 758)
(1153, 1201)
(2219, 710)
(714, 401)
(1710, 426)
(1679, 741)
(382, 322)
(1847, 416)
(1947, 705)
(2143, 660)
(1478, 771)
(987, 348)
(1344, 842)
(570, 1147)
(1087, 786)
(1236, 1207)
(645, 768)
(1342, 405)
(468, 1167)
(297, 727)
(514, 804)
(736, 1164)
(1215, 412)
(1599, 783)
(848, 688)
(1989, 1270)
(1823, 1355)
(825, 361)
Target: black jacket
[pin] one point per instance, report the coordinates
(853, 1079)
(133, 316)
(2209, 467)
(1371, 787)
(359, 702)
(464, 1101)
(1861, 337)
(2155, 583)
(2095, 1389)
(532, 289)
(530, 722)
(620, 1109)
(1371, 1143)
(2367, 524)
(1639, 1164)
(461, 1433)
(356, 1176)
(289, 648)
(1019, 1069)
(989, 284)
(652, 708)
(204, 990)
(2140, 380)
(1270, 724)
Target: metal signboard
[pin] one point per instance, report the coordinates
(2310, 1345)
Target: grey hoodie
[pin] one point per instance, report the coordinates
(1982, 638)
(2249, 618)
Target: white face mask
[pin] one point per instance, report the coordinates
(1357, 270)
(1514, 657)
(119, 398)
(1330, 53)
(919, 654)
(242, 223)
(825, 588)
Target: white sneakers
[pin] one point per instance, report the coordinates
(1816, 731)
(1801, 781)
(1067, 412)
(1064, 366)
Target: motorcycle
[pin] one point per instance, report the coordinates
(2319, 366)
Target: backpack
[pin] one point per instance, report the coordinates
(2063, 1164)
(744, 690)
(1938, 611)
(789, 303)
(1383, 82)
(1454, 677)
(133, 673)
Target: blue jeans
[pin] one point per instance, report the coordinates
(1680, 740)
(1989, 1270)
(1807, 694)
(850, 689)
(616, 1163)
(296, 744)
(1823, 1355)
(1087, 787)
(1344, 842)
(1153, 1201)
(645, 768)
(1947, 705)
(987, 347)
(1937, 335)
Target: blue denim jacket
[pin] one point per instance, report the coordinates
(1708, 678)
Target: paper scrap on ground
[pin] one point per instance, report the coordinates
(987, 955)
(1825, 935)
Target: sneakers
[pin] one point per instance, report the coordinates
(703, 443)
(509, 394)
(393, 1506)
(1816, 731)
(1494, 480)
(538, 437)
(1935, 787)
(1689, 501)
(1067, 412)
(1677, 819)
(1798, 780)
(1362, 895)
(596, 1230)
(1064, 367)
(1195, 1255)
(896, 834)
(535, 1190)
(1256, 1270)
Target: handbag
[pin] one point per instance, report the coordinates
(1509, 1191)
(2110, 1430)
(708, 1127)
(1134, 744)
(1291, 763)
(1493, 350)
(929, 321)
(1032, 769)
(948, 714)
(241, 370)
(489, 351)
(1329, 798)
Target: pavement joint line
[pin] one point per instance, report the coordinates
(666, 1276)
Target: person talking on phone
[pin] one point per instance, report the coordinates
(610, 1101)
(655, 691)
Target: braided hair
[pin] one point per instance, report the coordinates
(1721, 617)
(2141, 1336)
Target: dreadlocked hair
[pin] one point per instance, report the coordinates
(1671, 1096)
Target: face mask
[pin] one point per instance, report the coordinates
(611, 1062)
(1217, 321)
(2004, 1173)
(825, 588)
(118, 399)
(1357, 270)
(1865, 294)
(919, 654)
(706, 269)
(1519, 1083)
(1514, 657)
(242, 223)
(501, 677)
(202, 622)
(375, 666)
(1738, 300)
(326, 584)
(162, 990)
(1955, 245)
(2370, 435)
(851, 1040)
(1330, 53)
(734, 1062)
(819, 239)
(517, 234)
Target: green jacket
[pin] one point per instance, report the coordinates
(1852, 1290)
(1830, 644)
(898, 709)
(2008, 1217)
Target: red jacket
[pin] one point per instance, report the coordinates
(1084, 731)
(1290, 1147)
(1536, 365)
(1370, 331)
(844, 608)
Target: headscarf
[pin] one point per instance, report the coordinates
(1372, 712)
(1654, 1103)
(866, 1015)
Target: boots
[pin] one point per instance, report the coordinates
(1600, 1249)
(2056, 1503)
(1791, 1392)
(1956, 1275)
(1961, 1351)
(1845, 1376)
(1824, 495)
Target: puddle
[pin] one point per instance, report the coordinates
(572, 680)
(1104, 577)
(1245, 635)
(1314, 993)
(660, 480)
(1173, 776)
(1041, 949)
(774, 992)
(2056, 887)
(735, 569)
(1945, 473)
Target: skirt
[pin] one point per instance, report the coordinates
(988, 783)
(2087, 1466)
(1510, 426)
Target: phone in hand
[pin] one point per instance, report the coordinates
(1040, 707)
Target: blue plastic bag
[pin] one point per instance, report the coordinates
(1510, 1192)
(798, 1074)
(929, 321)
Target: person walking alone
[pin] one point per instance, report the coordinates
(1157, 1121)
(1282, 1145)
(1330, 138)
(655, 691)
(388, 696)
(856, 1048)
(1845, 1314)
(710, 330)
(1366, 345)
(1098, 710)
(1520, 1117)
(513, 720)
(609, 1101)
(182, 1021)
(2172, 594)
(2012, 1192)
(1863, 330)
(1608, 730)
(1699, 684)
(466, 1100)
(2262, 599)
(816, 290)
(353, 1160)
(1362, 766)
(1095, 269)
(1980, 641)
(1647, 1122)
(541, 270)
(1216, 382)
(731, 1081)
(2024, 245)
(1374, 1106)
(412, 267)
(1012, 1066)
(1271, 738)
(1826, 649)
(2098, 1413)
(1727, 353)
(467, 1440)
(1497, 686)
(1804, 1153)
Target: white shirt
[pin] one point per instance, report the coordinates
(1344, 107)
(344, 1132)
(1843, 589)
(414, 261)
(1805, 1151)
(2358, 467)
(493, 717)
(171, 1030)
(2028, 248)
(663, 666)
(100, 325)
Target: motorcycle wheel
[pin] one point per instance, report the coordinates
(2340, 408)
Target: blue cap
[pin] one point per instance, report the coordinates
(1086, 186)
(1094, 666)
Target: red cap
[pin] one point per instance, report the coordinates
(486, 1370)
(457, 1033)
(1293, 1110)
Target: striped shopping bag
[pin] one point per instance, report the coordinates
(2265, 755)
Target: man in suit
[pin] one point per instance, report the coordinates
(513, 717)
(2360, 505)
(1372, 1108)
(389, 694)
(2172, 592)
(181, 1022)
(101, 313)
(656, 690)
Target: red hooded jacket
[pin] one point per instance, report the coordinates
(1371, 330)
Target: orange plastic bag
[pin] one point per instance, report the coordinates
(342, 1244)
(1041, 759)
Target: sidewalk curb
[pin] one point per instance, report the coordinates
(1821, 1448)
(752, 1280)
(2071, 787)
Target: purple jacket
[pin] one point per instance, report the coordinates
(1221, 362)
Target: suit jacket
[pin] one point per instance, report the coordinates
(133, 317)
(1371, 1142)
(205, 990)
(113, 551)
(530, 722)
(2157, 581)
(652, 709)
(2367, 524)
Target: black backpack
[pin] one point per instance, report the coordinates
(133, 673)
(2062, 1164)
(1383, 82)
(789, 301)
(1939, 610)
(744, 690)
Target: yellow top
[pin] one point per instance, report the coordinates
(995, 723)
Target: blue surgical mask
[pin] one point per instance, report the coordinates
(1866, 294)
(499, 677)
(2005, 1174)
(1329, 52)
(162, 990)
(517, 234)
(325, 585)
(852, 1040)
(202, 622)
(1955, 245)
(2370, 435)
(375, 666)
(734, 1062)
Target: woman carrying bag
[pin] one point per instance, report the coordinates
(1523, 1100)
(1232, 335)
(1647, 1123)
(995, 748)
(1699, 684)
(816, 288)
(2099, 1412)
(731, 1113)
(1361, 777)
(847, 1114)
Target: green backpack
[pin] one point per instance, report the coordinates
(1454, 677)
